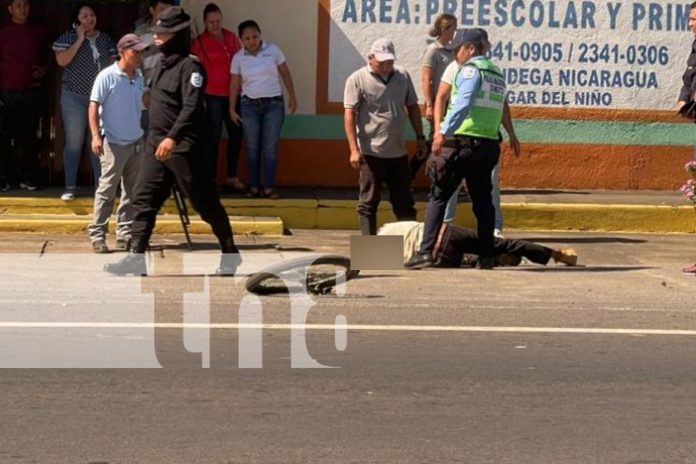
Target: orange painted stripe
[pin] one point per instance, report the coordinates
(584, 114)
(610, 167)
(324, 163)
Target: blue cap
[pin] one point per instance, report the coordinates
(462, 36)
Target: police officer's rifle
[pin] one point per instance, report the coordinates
(183, 213)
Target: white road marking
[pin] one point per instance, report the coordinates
(353, 327)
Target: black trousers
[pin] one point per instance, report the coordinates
(19, 121)
(190, 171)
(474, 161)
(218, 111)
(395, 172)
(459, 241)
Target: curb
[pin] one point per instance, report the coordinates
(166, 224)
(269, 217)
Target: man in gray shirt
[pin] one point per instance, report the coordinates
(378, 99)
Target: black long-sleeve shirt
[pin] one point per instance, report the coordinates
(177, 104)
(689, 77)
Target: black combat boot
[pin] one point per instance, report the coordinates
(485, 263)
(228, 264)
(420, 261)
(230, 258)
(368, 225)
(132, 264)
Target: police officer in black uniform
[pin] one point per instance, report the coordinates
(688, 90)
(175, 149)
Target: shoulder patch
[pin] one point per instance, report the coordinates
(468, 72)
(197, 80)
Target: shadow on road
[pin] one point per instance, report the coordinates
(205, 246)
(582, 269)
(584, 240)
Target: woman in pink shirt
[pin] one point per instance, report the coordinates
(215, 48)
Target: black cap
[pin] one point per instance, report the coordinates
(463, 36)
(173, 19)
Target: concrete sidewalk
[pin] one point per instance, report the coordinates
(552, 210)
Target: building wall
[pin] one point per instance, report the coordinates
(592, 84)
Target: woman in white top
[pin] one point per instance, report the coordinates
(258, 69)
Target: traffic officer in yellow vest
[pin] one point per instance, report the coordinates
(466, 147)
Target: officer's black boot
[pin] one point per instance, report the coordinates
(420, 261)
(133, 263)
(368, 225)
(230, 258)
(485, 263)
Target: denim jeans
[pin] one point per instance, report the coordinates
(263, 120)
(451, 210)
(219, 113)
(74, 112)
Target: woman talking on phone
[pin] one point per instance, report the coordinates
(82, 52)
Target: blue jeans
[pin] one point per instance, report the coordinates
(73, 108)
(263, 120)
(451, 210)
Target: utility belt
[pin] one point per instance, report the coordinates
(459, 142)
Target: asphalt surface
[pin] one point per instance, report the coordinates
(594, 364)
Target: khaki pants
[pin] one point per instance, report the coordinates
(119, 164)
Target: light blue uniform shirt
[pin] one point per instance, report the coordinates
(120, 100)
(467, 86)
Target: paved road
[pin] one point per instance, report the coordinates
(525, 365)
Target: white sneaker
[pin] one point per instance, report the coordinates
(69, 195)
(498, 233)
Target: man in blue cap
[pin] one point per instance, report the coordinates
(466, 147)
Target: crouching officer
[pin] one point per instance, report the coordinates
(467, 146)
(175, 148)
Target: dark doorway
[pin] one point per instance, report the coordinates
(115, 17)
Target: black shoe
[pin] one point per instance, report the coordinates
(484, 263)
(28, 185)
(132, 264)
(228, 264)
(99, 246)
(420, 261)
(122, 244)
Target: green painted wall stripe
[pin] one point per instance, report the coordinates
(330, 127)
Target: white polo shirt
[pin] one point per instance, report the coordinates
(259, 73)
